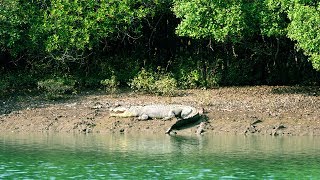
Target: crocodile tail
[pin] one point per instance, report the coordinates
(168, 131)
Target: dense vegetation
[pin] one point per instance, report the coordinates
(157, 46)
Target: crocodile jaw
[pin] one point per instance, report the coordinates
(122, 114)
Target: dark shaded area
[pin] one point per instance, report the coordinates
(187, 123)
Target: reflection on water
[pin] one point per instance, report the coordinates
(158, 156)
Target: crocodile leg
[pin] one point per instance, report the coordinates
(143, 117)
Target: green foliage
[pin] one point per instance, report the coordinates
(111, 85)
(213, 79)
(4, 86)
(197, 72)
(17, 81)
(166, 85)
(9, 20)
(60, 31)
(58, 87)
(231, 42)
(16, 21)
(80, 25)
(272, 15)
(190, 78)
(231, 20)
(219, 20)
(150, 82)
(144, 81)
(305, 30)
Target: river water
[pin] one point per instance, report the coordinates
(157, 156)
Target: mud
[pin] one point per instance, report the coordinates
(267, 110)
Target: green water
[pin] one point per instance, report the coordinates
(157, 156)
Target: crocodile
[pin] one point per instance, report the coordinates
(157, 111)
(184, 114)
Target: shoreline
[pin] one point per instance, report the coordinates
(265, 110)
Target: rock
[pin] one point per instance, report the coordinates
(97, 105)
(277, 130)
(255, 121)
(71, 105)
(250, 129)
(85, 126)
(201, 128)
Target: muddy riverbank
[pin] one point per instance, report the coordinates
(270, 110)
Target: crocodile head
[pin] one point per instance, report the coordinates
(122, 111)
